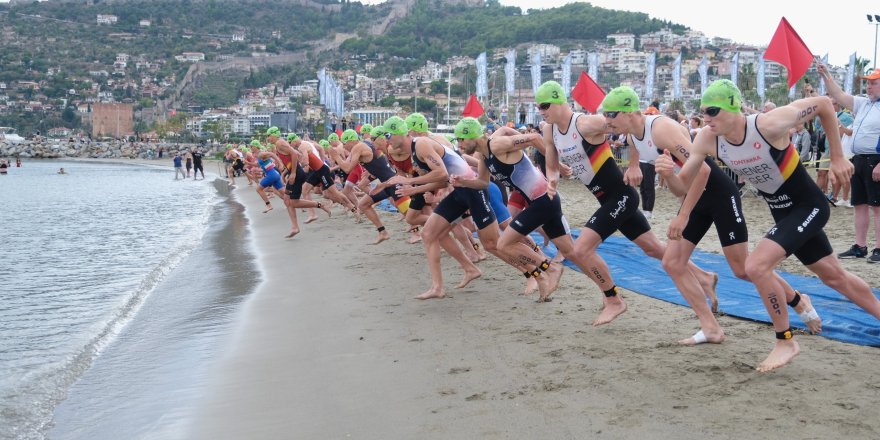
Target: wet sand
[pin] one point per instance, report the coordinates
(332, 345)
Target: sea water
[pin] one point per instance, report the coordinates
(117, 286)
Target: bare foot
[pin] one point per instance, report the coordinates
(554, 272)
(709, 284)
(784, 351)
(326, 209)
(433, 292)
(808, 314)
(414, 238)
(310, 219)
(710, 293)
(531, 286)
(702, 337)
(473, 256)
(544, 290)
(480, 254)
(382, 237)
(468, 277)
(268, 208)
(292, 233)
(612, 310)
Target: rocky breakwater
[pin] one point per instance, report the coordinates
(56, 149)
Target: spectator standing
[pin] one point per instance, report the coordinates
(178, 166)
(197, 164)
(865, 181)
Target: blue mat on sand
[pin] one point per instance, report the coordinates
(633, 270)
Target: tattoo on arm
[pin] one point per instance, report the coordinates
(433, 161)
(684, 151)
(802, 116)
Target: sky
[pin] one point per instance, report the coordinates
(837, 28)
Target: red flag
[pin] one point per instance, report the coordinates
(587, 93)
(339, 132)
(473, 108)
(788, 49)
(358, 128)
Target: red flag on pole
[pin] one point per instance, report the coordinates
(473, 108)
(788, 49)
(587, 93)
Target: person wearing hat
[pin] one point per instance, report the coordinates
(375, 163)
(442, 164)
(401, 160)
(356, 178)
(418, 127)
(282, 148)
(268, 162)
(581, 141)
(365, 132)
(669, 143)
(865, 182)
(502, 155)
(319, 175)
(757, 148)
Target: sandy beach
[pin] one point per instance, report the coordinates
(332, 345)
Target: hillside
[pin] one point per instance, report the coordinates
(57, 53)
(435, 31)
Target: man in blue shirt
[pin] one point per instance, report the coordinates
(178, 166)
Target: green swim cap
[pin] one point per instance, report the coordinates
(395, 125)
(550, 92)
(366, 129)
(292, 137)
(256, 143)
(333, 137)
(451, 138)
(324, 144)
(245, 150)
(273, 131)
(722, 93)
(417, 123)
(621, 99)
(349, 135)
(228, 146)
(377, 131)
(468, 128)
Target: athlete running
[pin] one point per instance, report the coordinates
(667, 144)
(581, 142)
(375, 163)
(502, 155)
(445, 165)
(758, 148)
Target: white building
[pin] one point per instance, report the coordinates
(372, 116)
(241, 125)
(547, 51)
(190, 57)
(578, 56)
(259, 121)
(107, 19)
(145, 23)
(625, 40)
